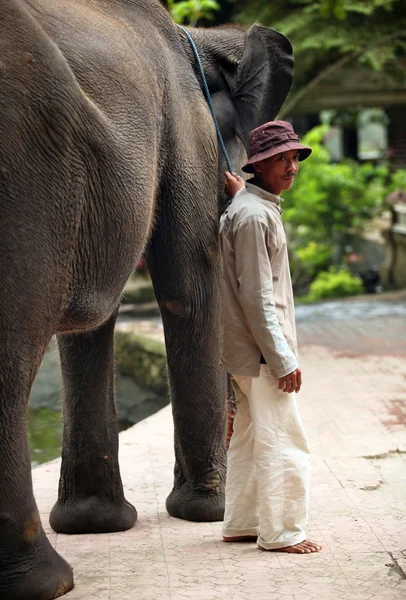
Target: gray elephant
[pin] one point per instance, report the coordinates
(107, 147)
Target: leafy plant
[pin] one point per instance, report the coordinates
(328, 35)
(335, 283)
(191, 11)
(397, 181)
(314, 256)
(327, 201)
(307, 261)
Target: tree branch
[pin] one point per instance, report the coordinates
(290, 106)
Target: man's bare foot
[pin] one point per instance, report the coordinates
(305, 547)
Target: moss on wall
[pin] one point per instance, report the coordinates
(143, 359)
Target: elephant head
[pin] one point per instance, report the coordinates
(249, 74)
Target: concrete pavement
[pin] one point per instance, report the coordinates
(354, 408)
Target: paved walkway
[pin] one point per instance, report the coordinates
(354, 407)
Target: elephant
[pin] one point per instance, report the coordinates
(107, 151)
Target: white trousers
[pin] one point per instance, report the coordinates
(268, 465)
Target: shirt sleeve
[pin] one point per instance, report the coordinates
(254, 246)
(243, 189)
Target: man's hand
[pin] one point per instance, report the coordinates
(232, 184)
(292, 382)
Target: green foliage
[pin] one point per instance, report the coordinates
(326, 201)
(334, 8)
(324, 25)
(397, 181)
(314, 257)
(335, 283)
(191, 11)
(323, 32)
(306, 261)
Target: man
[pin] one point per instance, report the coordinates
(268, 458)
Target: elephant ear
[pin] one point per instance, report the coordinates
(263, 78)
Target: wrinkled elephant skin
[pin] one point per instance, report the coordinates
(107, 150)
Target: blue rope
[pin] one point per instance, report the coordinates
(208, 97)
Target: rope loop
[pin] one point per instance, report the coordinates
(208, 97)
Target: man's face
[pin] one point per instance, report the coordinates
(278, 172)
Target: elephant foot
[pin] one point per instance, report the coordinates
(195, 505)
(39, 574)
(92, 515)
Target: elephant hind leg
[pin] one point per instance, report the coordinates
(184, 265)
(91, 497)
(198, 502)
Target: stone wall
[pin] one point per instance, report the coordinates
(394, 269)
(143, 359)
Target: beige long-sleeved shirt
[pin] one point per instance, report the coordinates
(258, 309)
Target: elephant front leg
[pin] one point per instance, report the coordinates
(30, 568)
(188, 292)
(91, 497)
(198, 405)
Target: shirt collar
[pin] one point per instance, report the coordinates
(254, 189)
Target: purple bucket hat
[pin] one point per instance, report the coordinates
(270, 139)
